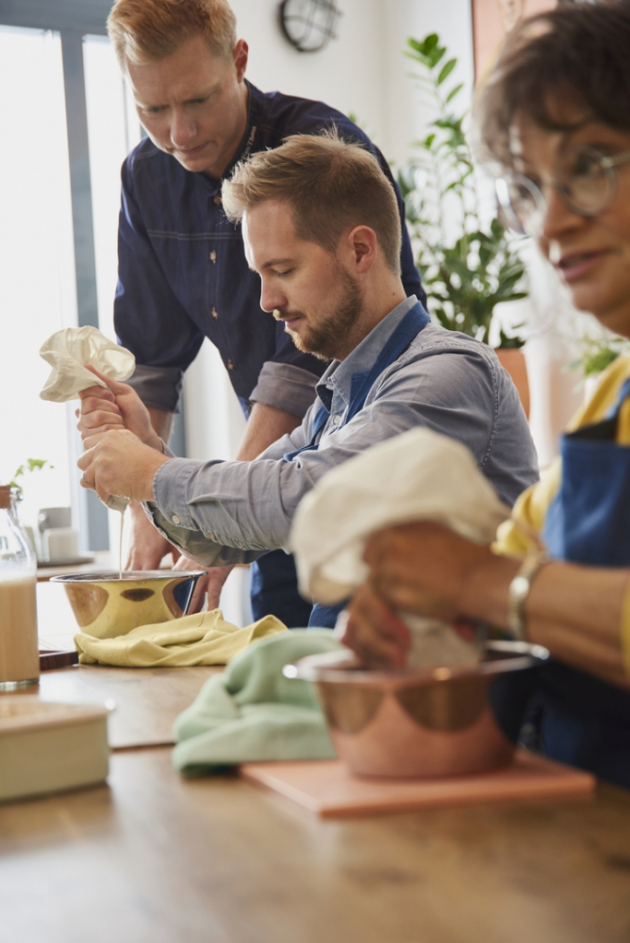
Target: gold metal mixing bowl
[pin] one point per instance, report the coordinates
(424, 722)
(106, 606)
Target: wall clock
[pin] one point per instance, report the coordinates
(308, 24)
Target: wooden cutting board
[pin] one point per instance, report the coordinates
(327, 788)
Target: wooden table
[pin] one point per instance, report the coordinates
(153, 857)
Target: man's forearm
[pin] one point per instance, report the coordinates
(265, 426)
(162, 422)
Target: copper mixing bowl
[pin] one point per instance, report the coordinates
(106, 606)
(424, 722)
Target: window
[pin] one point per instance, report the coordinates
(37, 282)
(71, 127)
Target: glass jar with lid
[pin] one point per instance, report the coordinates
(19, 650)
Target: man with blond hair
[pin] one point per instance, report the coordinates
(321, 228)
(183, 274)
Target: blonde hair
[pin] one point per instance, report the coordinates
(145, 30)
(330, 184)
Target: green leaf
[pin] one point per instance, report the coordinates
(446, 71)
(33, 464)
(509, 343)
(453, 92)
(435, 56)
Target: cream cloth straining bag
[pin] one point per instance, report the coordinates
(417, 476)
(70, 351)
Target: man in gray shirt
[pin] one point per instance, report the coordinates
(321, 228)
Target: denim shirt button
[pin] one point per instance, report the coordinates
(175, 519)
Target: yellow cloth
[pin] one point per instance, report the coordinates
(201, 639)
(521, 534)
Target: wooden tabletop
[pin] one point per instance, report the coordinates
(155, 858)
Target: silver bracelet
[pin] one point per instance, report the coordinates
(519, 591)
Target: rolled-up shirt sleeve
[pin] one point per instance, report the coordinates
(285, 386)
(158, 386)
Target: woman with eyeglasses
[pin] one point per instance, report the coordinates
(554, 120)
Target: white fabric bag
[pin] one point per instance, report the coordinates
(417, 476)
(69, 352)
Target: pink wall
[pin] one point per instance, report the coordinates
(491, 20)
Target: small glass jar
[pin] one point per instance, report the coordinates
(19, 650)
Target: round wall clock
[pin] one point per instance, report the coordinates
(308, 24)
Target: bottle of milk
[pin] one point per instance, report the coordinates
(19, 650)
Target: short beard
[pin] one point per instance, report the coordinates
(322, 340)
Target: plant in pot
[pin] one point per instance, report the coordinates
(467, 260)
(17, 492)
(597, 353)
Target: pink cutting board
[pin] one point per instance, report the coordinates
(327, 788)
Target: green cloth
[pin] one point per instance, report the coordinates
(204, 638)
(252, 712)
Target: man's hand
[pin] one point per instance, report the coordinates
(211, 584)
(148, 546)
(117, 462)
(117, 407)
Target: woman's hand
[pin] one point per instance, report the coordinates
(376, 634)
(424, 568)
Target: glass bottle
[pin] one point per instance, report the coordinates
(19, 650)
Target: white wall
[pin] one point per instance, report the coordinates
(405, 116)
(348, 74)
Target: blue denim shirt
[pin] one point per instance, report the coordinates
(227, 512)
(183, 274)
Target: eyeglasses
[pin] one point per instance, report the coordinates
(585, 180)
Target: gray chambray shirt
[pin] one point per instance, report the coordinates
(231, 512)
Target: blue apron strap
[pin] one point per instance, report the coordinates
(624, 393)
(413, 322)
(319, 422)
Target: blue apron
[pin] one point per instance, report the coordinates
(413, 322)
(586, 722)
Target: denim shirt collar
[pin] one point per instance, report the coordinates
(337, 380)
(254, 111)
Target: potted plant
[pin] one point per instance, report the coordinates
(17, 493)
(597, 353)
(467, 260)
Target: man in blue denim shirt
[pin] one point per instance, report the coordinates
(182, 270)
(321, 228)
